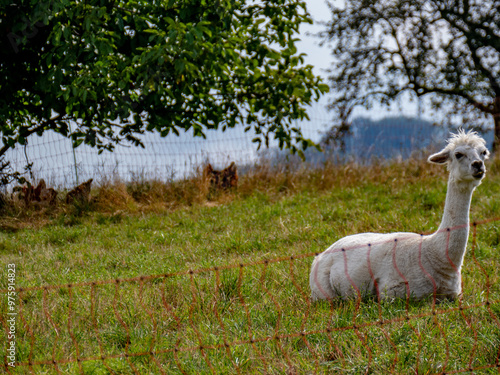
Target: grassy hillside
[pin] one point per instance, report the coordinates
(154, 278)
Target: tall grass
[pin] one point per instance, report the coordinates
(151, 277)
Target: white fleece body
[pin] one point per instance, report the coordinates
(385, 265)
(409, 264)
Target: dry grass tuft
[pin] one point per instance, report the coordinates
(112, 197)
(301, 177)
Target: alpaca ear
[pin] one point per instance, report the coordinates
(208, 170)
(440, 158)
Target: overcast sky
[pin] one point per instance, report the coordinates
(318, 56)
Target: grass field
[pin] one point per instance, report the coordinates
(152, 279)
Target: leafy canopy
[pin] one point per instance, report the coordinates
(445, 50)
(103, 72)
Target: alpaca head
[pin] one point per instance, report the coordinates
(464, 154)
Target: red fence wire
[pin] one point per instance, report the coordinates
(251, 317)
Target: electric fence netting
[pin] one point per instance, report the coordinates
(200, 321)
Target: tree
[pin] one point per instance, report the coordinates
(445, 50)
(104, 72)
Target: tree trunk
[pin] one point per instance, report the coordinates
(496, 126)
(496, 139)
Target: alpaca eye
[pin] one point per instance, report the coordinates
(459, 155)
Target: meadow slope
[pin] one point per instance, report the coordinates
(154, 278)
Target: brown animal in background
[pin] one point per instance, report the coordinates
(221, 180)
(40, 195)
(48, 195)
(80, 194)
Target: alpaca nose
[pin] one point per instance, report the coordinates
(478, 165)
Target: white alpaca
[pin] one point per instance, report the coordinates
(402, 264)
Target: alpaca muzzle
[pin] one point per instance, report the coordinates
(478, 169)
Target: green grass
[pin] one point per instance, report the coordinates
(225, 286)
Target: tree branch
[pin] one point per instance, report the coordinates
(472, 35)
(34, 130)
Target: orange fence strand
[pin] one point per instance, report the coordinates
(189, 316)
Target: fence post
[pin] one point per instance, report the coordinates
(74, 156)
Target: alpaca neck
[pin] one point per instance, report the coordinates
(457, 205)
(453, 232)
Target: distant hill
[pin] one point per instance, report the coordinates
(388, 138)
(391, 137)
(396, 137)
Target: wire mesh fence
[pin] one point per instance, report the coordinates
(60, 165)
(177, 157)
(253, 317)
(168, 158)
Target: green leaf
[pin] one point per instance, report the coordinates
(119, 21)
(77, 142)
(66, 32)
(179, 66)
